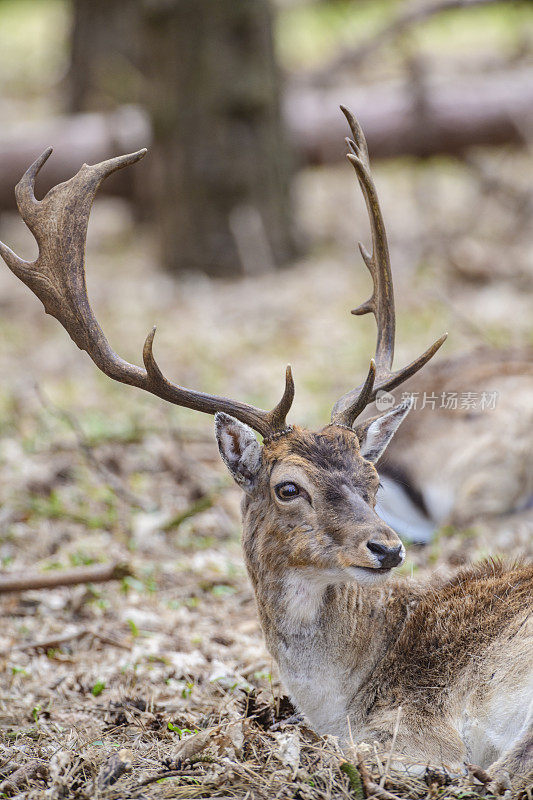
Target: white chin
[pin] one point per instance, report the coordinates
(367, 577)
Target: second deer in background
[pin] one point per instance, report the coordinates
(465, 457)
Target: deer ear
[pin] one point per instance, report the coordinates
(375, 434)
(239, 448)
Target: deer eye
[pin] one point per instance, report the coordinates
(287, 490)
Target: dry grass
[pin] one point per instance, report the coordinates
(91, 471)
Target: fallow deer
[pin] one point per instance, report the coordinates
(446, 466)
(446, 666)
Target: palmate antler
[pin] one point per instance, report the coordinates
(59, 223)
(57, 277)
(380, 375)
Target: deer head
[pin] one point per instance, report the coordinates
(309, 498)
(311, 493)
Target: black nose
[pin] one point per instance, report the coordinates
(388, 556)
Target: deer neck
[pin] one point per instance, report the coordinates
(293, 604)
(297, 605)
(325, 638)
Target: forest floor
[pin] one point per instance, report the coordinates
(124, 673)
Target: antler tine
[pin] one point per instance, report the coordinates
(381, 303)
(57, 277)
(360, 400)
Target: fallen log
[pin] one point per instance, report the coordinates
(454, 115)
(99, 573)
(449, 116)
(76, 138)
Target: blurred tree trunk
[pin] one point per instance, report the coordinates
(220, 159)
(105, 54)
(105, 74)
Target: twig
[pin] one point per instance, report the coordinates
(202, 504)
(372, 789)
(393, 743)
(109, 640)
(68, 577)
(412, 15)
(294, 719)
(109, 477)
(378, 760)
(48, 644)
(56, 641)
(22, 775)
(171, 773)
